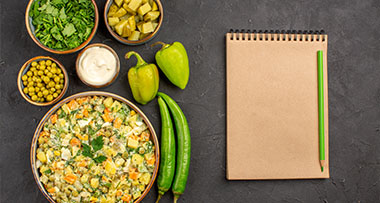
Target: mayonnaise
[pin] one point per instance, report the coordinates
(97, 66)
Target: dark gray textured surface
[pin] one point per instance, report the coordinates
(354, 96)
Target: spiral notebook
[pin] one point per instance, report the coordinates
(272, 105)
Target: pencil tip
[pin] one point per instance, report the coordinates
(322, 168)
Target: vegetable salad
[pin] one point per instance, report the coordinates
(95, 149)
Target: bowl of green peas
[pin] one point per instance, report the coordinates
(42, 81)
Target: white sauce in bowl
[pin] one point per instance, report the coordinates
(97, 66)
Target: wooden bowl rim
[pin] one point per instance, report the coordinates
(85, 94)
(34, 38)
(117, 64)
(138, 42)
(27, 66)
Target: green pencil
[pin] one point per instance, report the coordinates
(321, 111)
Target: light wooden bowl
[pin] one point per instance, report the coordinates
(117, 64)
(26, 67)
(30, 29)
(125, 40)
(40, 126)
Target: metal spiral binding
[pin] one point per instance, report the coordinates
(278, 35)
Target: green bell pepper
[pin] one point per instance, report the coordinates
(143, 79)
(174, 63)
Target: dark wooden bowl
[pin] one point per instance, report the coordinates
(117, 64)
(40, 126)
(30, 29)
(138, 42)
(26, 67)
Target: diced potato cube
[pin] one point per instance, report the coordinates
(147, 27)
(66, 108)
(142, 36)
(113, 8)
(44, 168)
(139, 25)
(41, 156)
(120, 26)
(154, 6)
(110, 167)
(145, 178)
(120, 13)
(144, 9)
(135, 36)
(131, 142)
(127, 31)
(116, 106)
(130, 11)
(137, 159)
(132, 23)
(84, 178)
(134, 4)
(136, 195)
(112, 21)
(144, 1)
(154, 25)
(94, 182)
(108, 102)
(125, 17)
(148, 156)
(118, 2)
(127, 1)
(151, 15)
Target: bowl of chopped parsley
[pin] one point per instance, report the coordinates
(62, 26)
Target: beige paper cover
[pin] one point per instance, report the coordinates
(272, 108)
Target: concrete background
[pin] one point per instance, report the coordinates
(354, 96)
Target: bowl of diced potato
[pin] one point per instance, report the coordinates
(133, 22)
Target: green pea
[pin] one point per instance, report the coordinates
(33, 69)
(49, 97)
(25, 77)
(56, 79)
(55, 95)
(26, 90)
(46, 71)
(34, 97)
(48, 62)
(52, 89)
(42, 62)
(31, 83)
(39, 94)
(54, 70)
(59, 70)
(29, 73)
(36, 89)
(59, 91)
(42, 99)
(40, 72)
(45, 92)
(46, 80)
(49, 68)
(31, 89)
(50, 75)
(42, 67)
(25, 83)
(53, 65)
(34, 63)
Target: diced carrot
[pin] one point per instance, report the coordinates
(82, 100)
(126, 198)
(44, 134)
(133, 175)
(119, 193)
(83, 163)
(54, 118)
(112, 139)
(84, 137)
(145, 136)
(85, 113)
(117, 122)
(71, 178)
(106, 116)
(75, 142)
(78, 116)
(51, 190)
(151, 160)
(72, 105)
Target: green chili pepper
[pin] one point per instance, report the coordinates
(167, 165)
(183, 146)
(143, 79)
(174, 63)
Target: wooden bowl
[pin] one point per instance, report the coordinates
(138, 42)
(26, 67)
(40, 126)
(117, 64)
(30, 29)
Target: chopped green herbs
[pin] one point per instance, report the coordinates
(97, 144)
(62, 24)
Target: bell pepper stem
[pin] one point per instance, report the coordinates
(164, 45)
(140, 60)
